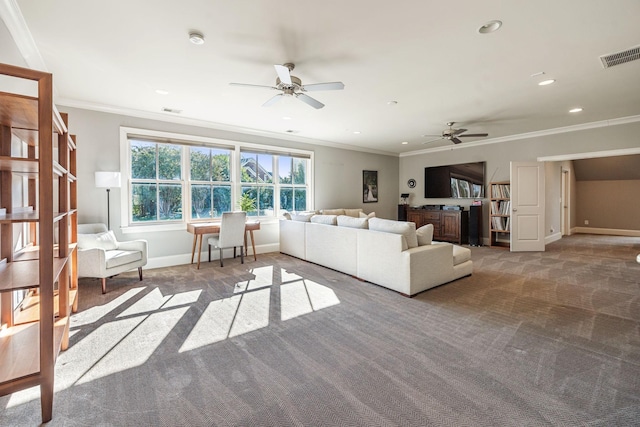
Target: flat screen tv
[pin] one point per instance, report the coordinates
(462, 181)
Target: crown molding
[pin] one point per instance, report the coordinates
(528, 135)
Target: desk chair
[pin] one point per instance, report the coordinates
(232, 229)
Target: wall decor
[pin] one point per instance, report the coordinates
(369, 186)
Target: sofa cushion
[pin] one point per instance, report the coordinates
(306, 217)
(332, 211)
(105, 240)
(347, 221)
(353, 212)
(118, 258)
(460, 254)
(425, 234)
(364, 215)
(324, 219)
(407, 229)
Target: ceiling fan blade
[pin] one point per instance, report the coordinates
(474, 135)
(455, 140)
(432, 140)
(250, 85)
(457, 131)
(324, 86)
(309, 100)
(283, 74)
(273, 100)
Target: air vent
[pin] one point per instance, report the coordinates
(620, 57)
(171, 110)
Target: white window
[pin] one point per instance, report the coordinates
(175, 179)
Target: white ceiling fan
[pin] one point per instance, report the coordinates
(454, 135)
(292, 86)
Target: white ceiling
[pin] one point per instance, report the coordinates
(426, 55)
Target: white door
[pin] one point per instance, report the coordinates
(527, 206)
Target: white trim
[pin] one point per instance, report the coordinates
(14, 20)
(610, 231)
(536, 134)
(185, 259)
(590, 155)
(552, 238)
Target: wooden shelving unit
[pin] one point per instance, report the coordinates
(43, 275)
(500, 214)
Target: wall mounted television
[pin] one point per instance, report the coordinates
(461, 181)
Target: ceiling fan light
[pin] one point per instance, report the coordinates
(490, 27)
(196, 38)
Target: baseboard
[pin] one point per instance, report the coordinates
(609, 231)
(552, 238)
(182, 259)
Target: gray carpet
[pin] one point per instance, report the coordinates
(531, 339)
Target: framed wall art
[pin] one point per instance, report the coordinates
(369, 186)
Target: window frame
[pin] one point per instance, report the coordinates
(186, 142)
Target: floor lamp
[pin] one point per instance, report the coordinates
(108, 180)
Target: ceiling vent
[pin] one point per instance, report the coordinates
(620, 57)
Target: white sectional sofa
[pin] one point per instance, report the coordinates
(391, 258)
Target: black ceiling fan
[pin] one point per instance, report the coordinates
(292, 86)
(454, 135)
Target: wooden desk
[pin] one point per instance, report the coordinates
(198, 229)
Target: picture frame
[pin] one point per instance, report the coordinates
(369, 186)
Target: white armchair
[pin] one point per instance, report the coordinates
(100, 255)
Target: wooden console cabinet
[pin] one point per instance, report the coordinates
(448, 226)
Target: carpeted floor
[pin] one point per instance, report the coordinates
(529, 339)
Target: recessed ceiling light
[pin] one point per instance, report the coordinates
(405, 143)
(490, 27)
(546, 82)
(357, 132)
(286, 118)
(162, 92)
(392, 103)
(196, 38)
(575, 110)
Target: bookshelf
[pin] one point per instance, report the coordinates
(38, 281)
(500, 214)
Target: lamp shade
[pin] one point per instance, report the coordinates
(108, 179)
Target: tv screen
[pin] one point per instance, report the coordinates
(462, 181)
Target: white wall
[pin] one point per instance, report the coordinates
(498, 157)
(337, 175)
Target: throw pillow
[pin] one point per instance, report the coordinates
(348, 221)
(425, 235)
(355, 213)
(324, 219)
(407, 229)
(332, 211)
(364, 215)
(302, 217)
(105, 240)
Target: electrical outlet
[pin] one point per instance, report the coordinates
(586, 222)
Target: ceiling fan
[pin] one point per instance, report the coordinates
(292, 86)
(455, 134)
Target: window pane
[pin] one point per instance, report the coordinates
(201, 201)
(265, 168)
(284, 170)
(200, 162)
(300, 171)
(249, 196)
(170, 201)
(286, 198)
(143, 160)
(169, 163)
(143, 202)
(300, 199)
(265, 201)
(221, 200)
(249, 166)
(221, 161)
